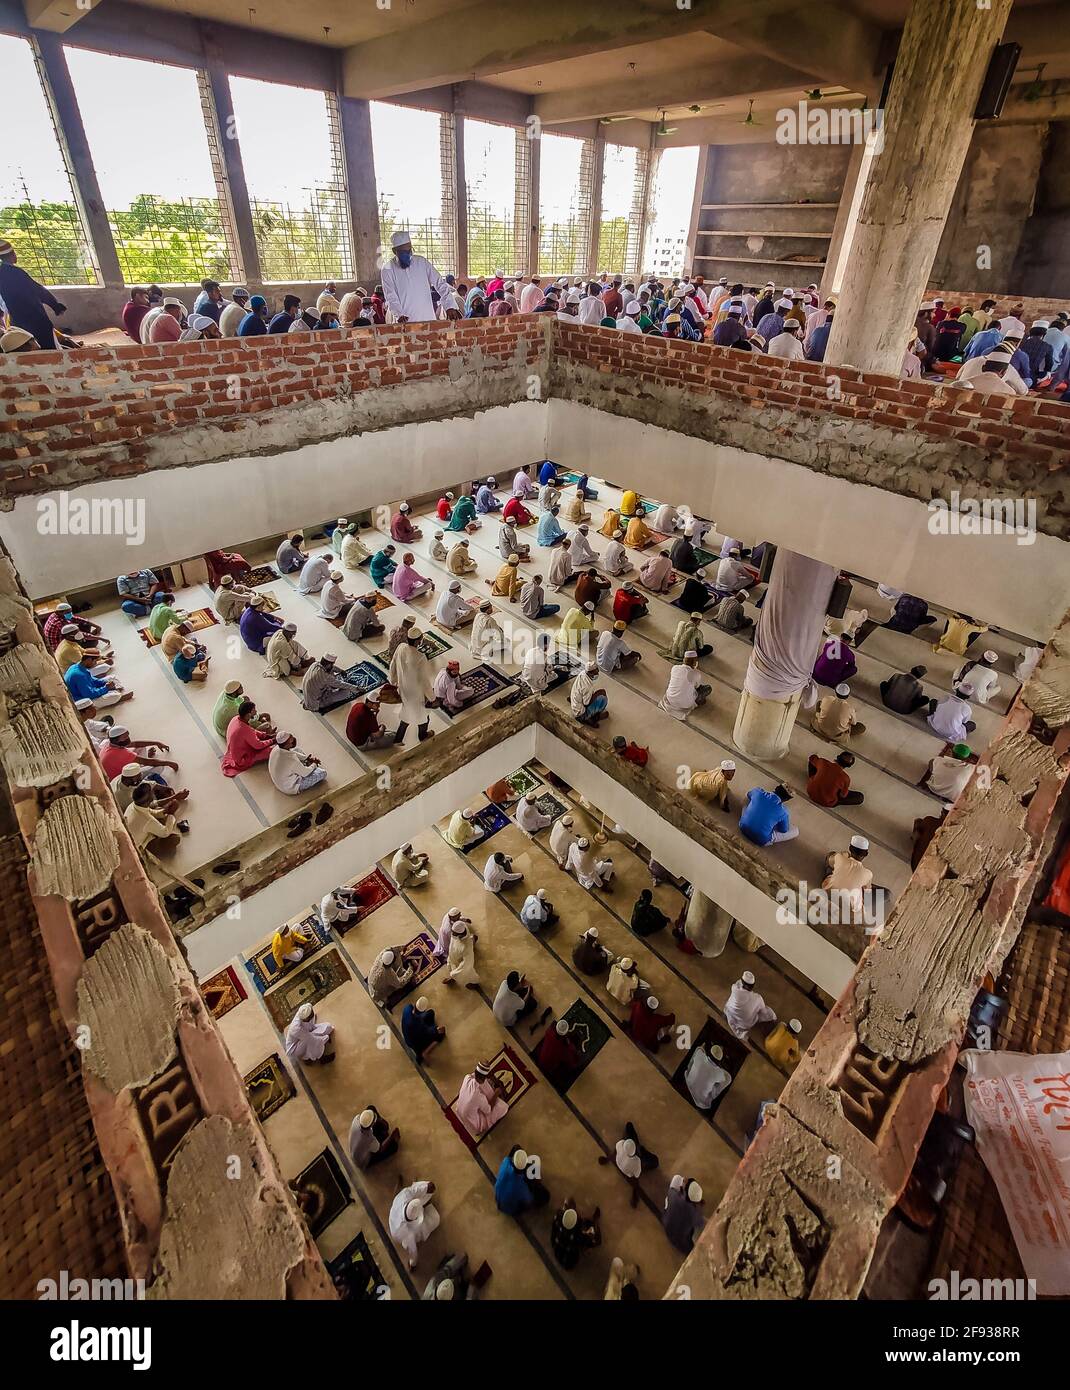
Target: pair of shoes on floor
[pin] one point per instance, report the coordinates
(298, 824)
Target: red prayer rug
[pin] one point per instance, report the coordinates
(223, 992)
(515, 1080)
(198, 620)
(373, 889)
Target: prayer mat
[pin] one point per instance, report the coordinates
(432, 645)
(261, 574)
(261, 964)
(736, 1053)
(355, 1274)
(590, 1035)
(366, 676)
(198, 619)
(373, 889)
(381, 600)
(571, 479)
(490, 820)
(549, 805)
(523, 781)
(223, 992)
(690, 608)
(268, 1086)
(487, 683)
(870, 625)
(705, 557)
(324, 1183)
(307, 985)
(515, 1079)
(419, 952)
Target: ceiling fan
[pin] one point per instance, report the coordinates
(664, 129)
(749, 120)
(609, 120)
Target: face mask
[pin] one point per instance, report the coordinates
(404, 257)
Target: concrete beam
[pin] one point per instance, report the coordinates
(830, 44)
(1043, 31)
(57, 16)
(709, 83)
(1051, 104)
(491, 38)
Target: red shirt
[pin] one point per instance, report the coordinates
(614, 302)
(361, 724)
(515, 510)
(626, 606)
(114, 757)
(645, 1025)
(132, 316)
(632, 753)
(829, 784)
(444, 509)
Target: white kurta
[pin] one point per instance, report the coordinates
(561, 841)
(705, 1079)
(332, 596)
(745, 1008)
(230, 603)
(680, 698)
(461, 959)
(590, 872)
(410, 1235)
(284, 654)
(583, 688)
(496, 876)
(488, 640)
(664, 518)
(529, 818)
(536, 670)
(560, 569)
(615, 558)
(314, 575)
(353, 552)
(307, 1042)
(408, 291)
(451, 609)
(287, 767)
(410, 674)
(621, 985)
(581, 551)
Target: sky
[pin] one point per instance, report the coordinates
(132, 109)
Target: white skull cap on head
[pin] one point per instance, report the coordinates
(859, 842)
(747, 977)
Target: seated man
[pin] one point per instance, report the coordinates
(444, 509)
(514, 511)
(629, 604)
(904, 693)
(410, 868)
(498, 873)
(647, 1025)
(835, 663)
(401, 527)
(459, 559)
(682, 555)
(480, 1103)
(84, 685)
(613, 653)
(419, 1029)
(382, 566)
(190, 663)
(981, 676)
(533, 600)
(140, 590)
(284, 654)
(231, 599)
(62, 616)
(575, 509)
(580, 549)
(463, 517)
(574, 625)
(538, 911)
(695, 596)
(712, 784)
(506, 583)
(587, 699)
(450, 690)
(615, 558)
(256, 625)
(292, 771)
(453, 611)
(828, 782)
(340, 907)
(729, 615)
(163, 616)
(685, 690)
(439, 553)
(846, 872)
(632, 1159)
(389, 972)
(221, 562)
(247, 742)
(515, 1000)
(836, 717)
(406, 583)
(509, 543)
(334, 601)
(549, 532)
(688, 638)
(765, 819)
(486, 501)
(638, 535)
(360, 622)
(591, 588)
(782, 1044)
(74, 645)
(558, 1054)
(363, 728)
(488, 635)
(290, 557)
(657, 574)
(324, 686)
(951, 716)
(590, 871)
(289, 946)
(948, 773)
(148, 827)
(314, 574)
(353, 551)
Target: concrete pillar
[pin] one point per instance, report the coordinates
(946, 44)
(598, 169)
(843, 217)
(533, 203)
(460, 186)
(706, 925)
(59, 92)
(241, 213)
(786, 643)
(360, 187)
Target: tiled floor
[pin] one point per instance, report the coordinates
(568, 1133)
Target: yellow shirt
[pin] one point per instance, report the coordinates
(710, 786)
(573, 623)
(638, 533)
(506, 581)
(611, 523)
(172, 642)
(783, 1047)
(959, 631)
(629, 503)
(834, 717)
(68, 653)
(460, 831)
(285, 942)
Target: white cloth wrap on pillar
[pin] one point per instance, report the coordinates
(790, 626)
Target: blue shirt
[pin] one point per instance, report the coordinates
(184, 666)
(548, 472)
(137, 587)
(511, 1190)
(486, 500)
(256, 627)
(82, 683)
(549, 531)
(251, 325)
(819, 340)
(763, 813)
(418, 1029)
(981, 343)
(205, 305)
(279, 324)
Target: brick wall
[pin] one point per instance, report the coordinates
(106, 411)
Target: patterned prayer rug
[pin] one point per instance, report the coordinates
(571, 479)
(736, 1053)
(199, 619)
(487, 683)
(262, 574)
(590, 1034)
(373, 889)
(356, 1275)
(419, 953)
(705, 557)
(549, 805)
(324, 1184)
(523, 781)
(381, 600)
(223, 992)
(490, 820)
(515, 1080)
(261, 964)
(366, 675)
(307, 985)
(268, 1086)
(432, 645)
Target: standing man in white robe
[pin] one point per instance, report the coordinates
(410, 675)
(413, 1218)
(562, 839)
(408, 280)
(746, 1007)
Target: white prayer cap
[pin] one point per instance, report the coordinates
(118, 731)
(227, 581)
(573, 297)
(367, 1119)
(400, 238)
(782, 304)
(239, 292)
(64, 607)
(413, 1209)
(700, 574)
(691, 655)
(716, 1051)
(592, 931)
(500, 273)
(626, 963)
(677, 1183)
(632, 307)
(843, 691)
(289, 629)
(566, 820)
(200, 322)
(588, 607)
(520, 1159)
(337, 576)
(859, 842)
(329, 658)
(455, 587)
(794, 1025)
(491, 480)
(232, 687)
(257, 601)
(439, 535)
(541, 893)
(343, 521)
(172, 303)
(583, 842)
(69, 628)
(561, 280)
(482, 1069)
(464, 541)
(1041, 323)
(651, 1001)
(627, 1147)
(387, 957)
(449, 496)
(282, 737)
(304, 1013)
(131, 772)
(743, 595)
(990, 657)
(727, 765)
(694, 1192)
(468, 813)
(458, 929)
(422, 1004)
(403, 507)
(569, 1218)
(966, 688)
(747, 977)
(444, 1291)
(770, 284)
(1012, 328)
(560, 1027)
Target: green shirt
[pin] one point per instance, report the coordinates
(226, 707)
(162, 617)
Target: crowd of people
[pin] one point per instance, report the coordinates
(980, 347)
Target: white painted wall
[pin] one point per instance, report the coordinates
(878, 534)
(190, 510)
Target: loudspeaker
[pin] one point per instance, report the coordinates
(765, 569)
(997, 81)
(839, 598)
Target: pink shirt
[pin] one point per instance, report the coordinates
(406, 581)
(165, 328)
